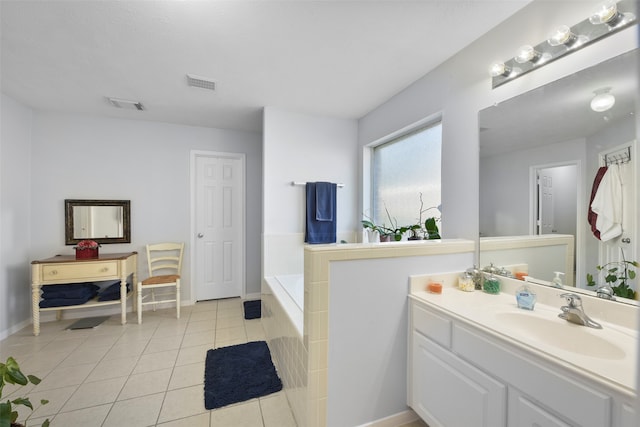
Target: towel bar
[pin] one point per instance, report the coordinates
(304, 183)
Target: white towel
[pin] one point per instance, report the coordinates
(607, 203)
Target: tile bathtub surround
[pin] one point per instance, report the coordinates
(139, 375)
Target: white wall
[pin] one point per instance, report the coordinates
(15, 215)
(304, 148)
(461, 87)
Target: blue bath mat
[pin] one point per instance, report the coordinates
(252, 309)
(238, 373)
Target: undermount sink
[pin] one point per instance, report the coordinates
(564, 335)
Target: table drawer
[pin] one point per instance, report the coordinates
(432, 325)
(81, 270)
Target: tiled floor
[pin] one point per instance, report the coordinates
(138, 375)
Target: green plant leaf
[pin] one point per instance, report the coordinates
(590, 281)
(5, 413)
(23, 401)
(632, 274)
(34, 380)
(45, 423)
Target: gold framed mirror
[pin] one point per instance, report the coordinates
(105, 221)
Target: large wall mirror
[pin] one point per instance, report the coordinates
(540, 153)
(105, 221)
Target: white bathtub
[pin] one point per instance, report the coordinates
(289, 291)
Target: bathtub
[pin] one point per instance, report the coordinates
(288, 289)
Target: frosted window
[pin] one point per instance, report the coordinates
(404, 168)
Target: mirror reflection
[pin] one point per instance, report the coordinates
(105, 221)
(540, 155)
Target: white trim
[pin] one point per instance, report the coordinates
(193, 155)
(394, 420)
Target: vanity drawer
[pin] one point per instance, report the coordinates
(431, 325)
(82, 270)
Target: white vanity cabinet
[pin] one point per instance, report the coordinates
(460, 374)
(447, 391)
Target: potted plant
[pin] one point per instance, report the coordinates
(10, 373)
(429, 228)
(87, 249)
(617, 276)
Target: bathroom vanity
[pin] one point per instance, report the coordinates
(477, 360)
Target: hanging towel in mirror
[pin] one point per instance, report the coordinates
(607, 204)
(592, 216)
(319, 231)
(325, 200)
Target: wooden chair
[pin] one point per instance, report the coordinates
(165, 263)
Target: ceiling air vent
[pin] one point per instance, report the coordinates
(126, 104)
(201, 82)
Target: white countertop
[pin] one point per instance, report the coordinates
(610, 357)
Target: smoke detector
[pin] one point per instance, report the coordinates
(201, 82)
(126, 104)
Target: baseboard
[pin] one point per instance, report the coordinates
(394, 420)
(15, 328)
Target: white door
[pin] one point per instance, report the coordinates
(219, 225)
(545, 205)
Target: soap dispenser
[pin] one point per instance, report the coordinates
(557, 280)
(525, 297)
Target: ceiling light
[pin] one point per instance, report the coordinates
(499, 69)
(527, 53)
(126, 104)
(562, 35)
(603, 100)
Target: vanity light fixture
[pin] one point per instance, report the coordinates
(608, 18)
(603, 100)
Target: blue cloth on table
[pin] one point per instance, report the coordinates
(112, 292)
(325, 199)
(319, 231)
(72, 291)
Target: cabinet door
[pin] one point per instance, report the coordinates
(524, 413)
(448, 392)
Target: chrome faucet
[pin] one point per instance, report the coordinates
(605, 292)
(574, 313)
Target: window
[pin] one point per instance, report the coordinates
(404, 168)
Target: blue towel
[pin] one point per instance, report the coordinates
(71, 291)
(325, 199)
(319, 231)
(62, 302)
(112, 292)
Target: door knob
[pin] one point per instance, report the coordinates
(626, 240)
(200, 235)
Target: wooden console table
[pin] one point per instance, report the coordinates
(63, 269)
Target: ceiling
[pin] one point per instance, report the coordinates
(336, 58)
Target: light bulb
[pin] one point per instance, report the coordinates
(499, 69)
(562, 35)
(605, 12)
(527, 53)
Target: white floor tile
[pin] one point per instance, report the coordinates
(95, 393)
(187, 375)
(240, 415)
(146, 383)
(139, 412)
(182, 403)
(201, 420)
(88, 417)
